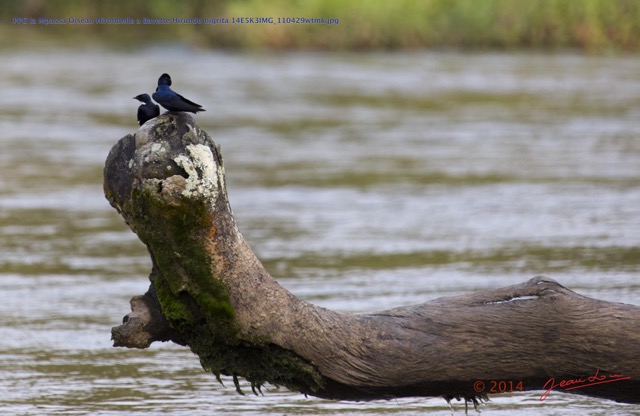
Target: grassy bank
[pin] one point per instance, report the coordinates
(374, 24)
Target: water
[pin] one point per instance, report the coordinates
(363, 182)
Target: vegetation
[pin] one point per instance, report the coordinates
(374, 24)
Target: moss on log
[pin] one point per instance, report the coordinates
(210, 292)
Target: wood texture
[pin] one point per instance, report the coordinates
(210, 292)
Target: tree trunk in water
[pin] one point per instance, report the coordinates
(210, 292)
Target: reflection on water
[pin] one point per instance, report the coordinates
(363, 181)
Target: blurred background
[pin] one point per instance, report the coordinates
(591, 25)
(413, 150)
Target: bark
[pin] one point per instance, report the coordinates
(210, 292)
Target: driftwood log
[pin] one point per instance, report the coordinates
(209, 292)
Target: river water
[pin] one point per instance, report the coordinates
(362, 181)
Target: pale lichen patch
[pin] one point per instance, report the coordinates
(156, 147)
(201, 167)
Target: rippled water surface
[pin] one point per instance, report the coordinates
(362, 181)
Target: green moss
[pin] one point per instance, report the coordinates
(259, 364)
(187, 289)
(177, 313)
(196, 302)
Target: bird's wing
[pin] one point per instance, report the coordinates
(188, 101)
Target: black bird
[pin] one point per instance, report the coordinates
(148, 110)
(171, 100)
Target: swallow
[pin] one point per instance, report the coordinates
(148, 110)
(171, 100)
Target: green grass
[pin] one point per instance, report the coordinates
(374, 24)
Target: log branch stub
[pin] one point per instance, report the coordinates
(210, 292)
(144, 325)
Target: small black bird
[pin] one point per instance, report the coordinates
(148, 110)
(171, 100)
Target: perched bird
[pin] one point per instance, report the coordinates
(148, 110)
(171, 100)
